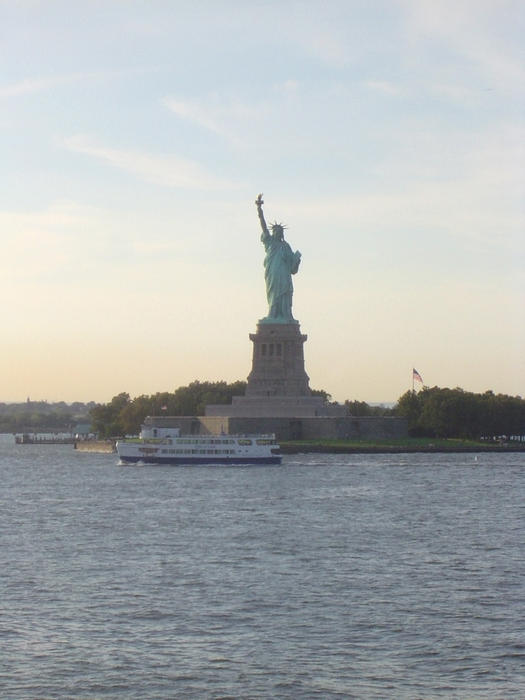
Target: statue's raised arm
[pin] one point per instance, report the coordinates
(258, 203)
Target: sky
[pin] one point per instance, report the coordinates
(388, 135)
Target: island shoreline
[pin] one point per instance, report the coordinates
(289, 448)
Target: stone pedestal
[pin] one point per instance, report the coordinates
(278, 362)
(278, 384)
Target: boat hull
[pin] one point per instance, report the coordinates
(185, 462)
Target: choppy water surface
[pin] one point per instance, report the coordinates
(381, 576)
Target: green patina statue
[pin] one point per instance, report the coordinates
(280, 263)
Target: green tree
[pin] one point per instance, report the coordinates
(106, 419)
(447, 413)
(327, 398)
(123, 416)
(409, 406)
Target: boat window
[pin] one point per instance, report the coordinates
(244, 441)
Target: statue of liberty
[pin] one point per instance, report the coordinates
(280, 263)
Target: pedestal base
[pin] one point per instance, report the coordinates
(273, 407)
(278, 384)
(278, 362)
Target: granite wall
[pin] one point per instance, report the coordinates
(305, 428)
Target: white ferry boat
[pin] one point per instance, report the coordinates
(158, 445)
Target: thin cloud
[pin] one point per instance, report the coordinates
(469, 28)
(68, 239)
(41, 243)
(32, 85)
(165, 170)
(231, 119)
(472, 207)
(194, 112)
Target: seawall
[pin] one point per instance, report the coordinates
(287, 428)
(95, 446)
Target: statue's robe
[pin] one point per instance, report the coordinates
(280, 263)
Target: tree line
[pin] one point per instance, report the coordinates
(34, 416)
(431, 412)
(455, 413)
(124, 416)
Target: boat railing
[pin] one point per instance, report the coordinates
(250, 435)
(201, 435)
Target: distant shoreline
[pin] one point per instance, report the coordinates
(298, 448)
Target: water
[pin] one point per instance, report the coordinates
(332, 576)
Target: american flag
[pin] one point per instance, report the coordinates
(416, 375)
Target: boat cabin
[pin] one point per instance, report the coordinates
(151, 432)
